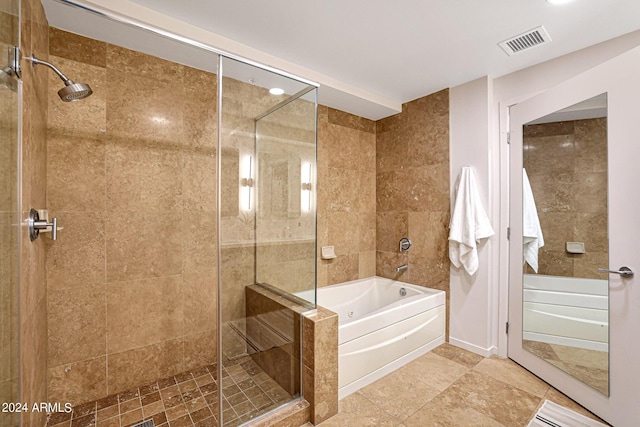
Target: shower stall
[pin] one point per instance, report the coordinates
(183, 187)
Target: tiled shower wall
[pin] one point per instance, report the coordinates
(131, 178)
(381, 181)
(33, 292)
(346, 195)
(412, 192)
(572, 206)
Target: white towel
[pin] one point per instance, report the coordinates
(532, 239)
(469, 224)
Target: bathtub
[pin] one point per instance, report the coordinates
(383, 325)
(566, 310)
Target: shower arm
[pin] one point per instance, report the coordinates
(36, 61)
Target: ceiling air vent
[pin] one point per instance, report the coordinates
(524, 41)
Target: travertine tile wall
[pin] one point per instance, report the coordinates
(412, 197)
(346, 195)
(131, 178)
(33, 290)
(320, 363)
(572, 206)
(278, 263)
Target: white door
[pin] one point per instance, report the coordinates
(546, 324)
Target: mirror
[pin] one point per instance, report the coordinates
(565, 298)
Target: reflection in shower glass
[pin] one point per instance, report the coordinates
(285, 227)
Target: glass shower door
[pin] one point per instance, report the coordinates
(9, 325)
(267, 236)
(285, 191)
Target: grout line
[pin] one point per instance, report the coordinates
(236, 367)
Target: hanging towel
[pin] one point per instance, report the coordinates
(532, 239)
(469, 224)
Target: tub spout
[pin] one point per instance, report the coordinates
(402, 268)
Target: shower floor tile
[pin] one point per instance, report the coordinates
(184, 400)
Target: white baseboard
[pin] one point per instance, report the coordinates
(485, 352)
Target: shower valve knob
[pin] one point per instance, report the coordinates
(35, 225)
(405, 244)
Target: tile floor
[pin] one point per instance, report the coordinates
(446, 387)
(185, 400)
(450, 387)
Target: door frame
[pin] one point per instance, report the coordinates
(617, 77)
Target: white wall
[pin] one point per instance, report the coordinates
(471, 296)
(478, 123)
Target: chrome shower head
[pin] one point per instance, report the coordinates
(71, 91)
(74, 91)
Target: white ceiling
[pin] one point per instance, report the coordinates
(399, 50)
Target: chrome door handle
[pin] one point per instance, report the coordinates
(625, 272)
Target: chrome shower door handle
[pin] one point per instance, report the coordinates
(624, 271)
(54, 228)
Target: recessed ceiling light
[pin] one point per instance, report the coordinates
(276, 91)
(559, 1)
